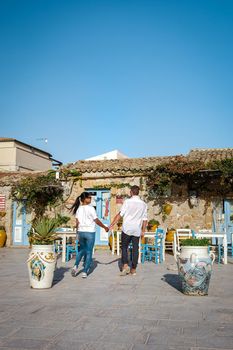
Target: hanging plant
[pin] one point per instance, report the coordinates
(214, 178)
(39, 192)
(167, 208)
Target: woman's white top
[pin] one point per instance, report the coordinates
(86, 215)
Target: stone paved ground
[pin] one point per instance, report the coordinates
(109, 312)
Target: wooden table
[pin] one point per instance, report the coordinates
(216, 235)
(208, 235)
(64, 235)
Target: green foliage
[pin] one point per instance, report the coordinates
(112, 185)
(153, 222)
(215, 177)
(224, 166)
(42, 231)
(196, 242)
(62, 219)
(39, 192)
(70, 173)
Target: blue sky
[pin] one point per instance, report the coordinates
(149, 77)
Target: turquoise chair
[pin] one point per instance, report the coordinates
(71, 249)
(154, 251)
(229, 248)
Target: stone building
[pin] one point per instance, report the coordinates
(109, 182)
(16, 155)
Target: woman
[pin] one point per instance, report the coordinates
(86, 219)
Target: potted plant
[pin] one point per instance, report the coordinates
(2, 236)
(42, 258)
(110, 239)
(195, 266)
(119, 224)
(119, 228)
(152, 225)
(170, 234)
(167, 208)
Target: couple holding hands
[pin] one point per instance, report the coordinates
(134, 214)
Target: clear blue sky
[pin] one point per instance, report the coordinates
(149, 77)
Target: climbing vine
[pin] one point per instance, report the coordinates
(112, 185)
(214, 178)
(39, 192)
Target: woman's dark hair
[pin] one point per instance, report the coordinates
(79, 199)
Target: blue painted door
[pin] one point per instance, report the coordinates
(21, 224)
(101, 202)
(228, 209)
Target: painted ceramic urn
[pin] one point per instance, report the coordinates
(41, 265)
(195, 268)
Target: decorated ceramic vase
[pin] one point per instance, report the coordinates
(194, 268)
(2, 237)
(41, 265)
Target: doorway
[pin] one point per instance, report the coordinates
(228, 210)
(21, 224)
(101, 202)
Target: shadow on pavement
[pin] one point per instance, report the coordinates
(59, 274)
(173, 280)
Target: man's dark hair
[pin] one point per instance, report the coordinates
(135, 190)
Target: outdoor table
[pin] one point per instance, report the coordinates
(118, 235)
(216, 235)
(208, 235)
(64, 235)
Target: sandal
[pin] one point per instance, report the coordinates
(125, 272)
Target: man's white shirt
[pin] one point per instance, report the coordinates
(134, 212)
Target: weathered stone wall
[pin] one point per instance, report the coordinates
(7, 219)
(80, 186)
(182, 214)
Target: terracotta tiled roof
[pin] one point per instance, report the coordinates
(136, 164)
(210, 154)
(7, 178)
(145, 164)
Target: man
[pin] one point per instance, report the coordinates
(134, 214)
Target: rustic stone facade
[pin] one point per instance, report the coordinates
(118, 176)
(7, 219)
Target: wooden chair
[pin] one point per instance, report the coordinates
(154, 251)
(182, 233)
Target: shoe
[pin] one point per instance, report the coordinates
(133, 272)
(74, 271)
(125, 272)
(84, 275)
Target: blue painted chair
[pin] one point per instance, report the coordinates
(71, 249)
(154, 251)
(229, 248)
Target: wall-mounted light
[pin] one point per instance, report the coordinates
(193, 199)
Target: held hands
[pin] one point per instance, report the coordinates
(106, 228)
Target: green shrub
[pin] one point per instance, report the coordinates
(196, 242)
(43, 231)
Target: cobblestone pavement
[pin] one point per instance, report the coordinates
(109, 312)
